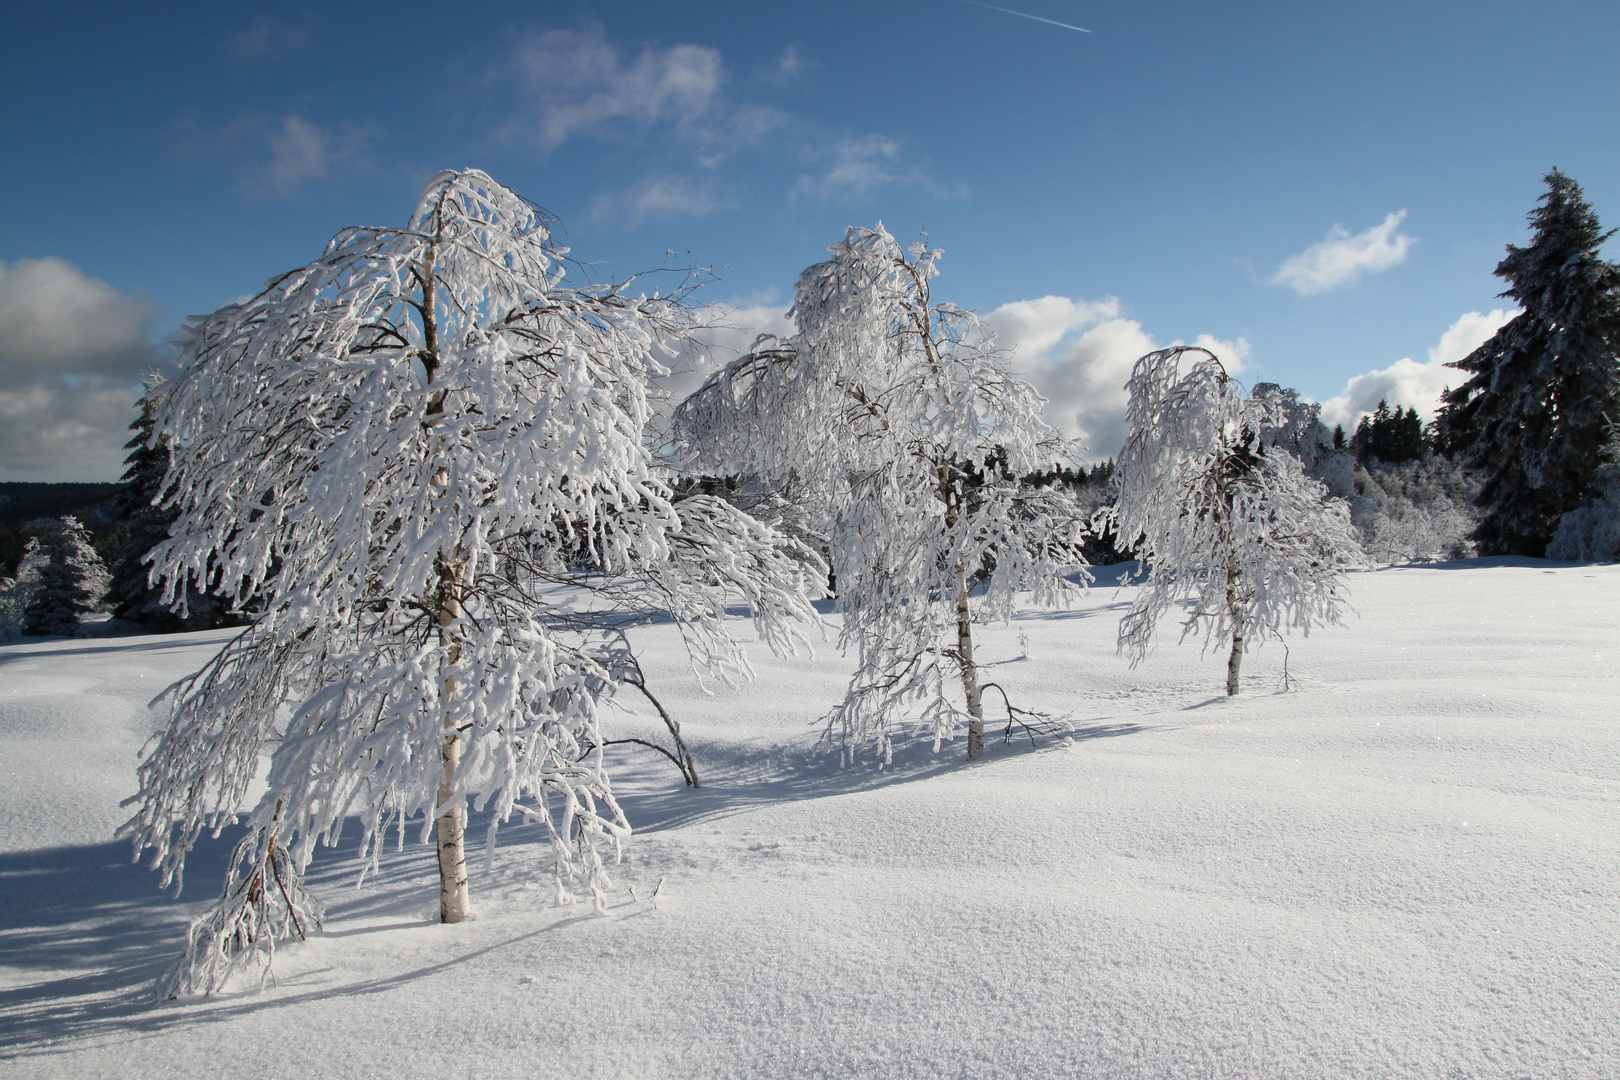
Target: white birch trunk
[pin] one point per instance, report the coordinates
(455, 903)
(970, 670)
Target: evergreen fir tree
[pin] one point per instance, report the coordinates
(1390, 436)
(141, 526)
(1531, 418)
(71, 583)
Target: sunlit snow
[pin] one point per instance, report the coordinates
(1407, 865)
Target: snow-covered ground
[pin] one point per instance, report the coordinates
(1408, 865)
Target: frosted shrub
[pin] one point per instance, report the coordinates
(1592, 532)
(1417, 511)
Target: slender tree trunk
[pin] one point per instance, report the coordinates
(970, 670)
(1234, 663)
(1223, 519)
(952, 497)
(455, 904)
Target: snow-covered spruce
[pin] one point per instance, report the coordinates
(1219, 517)
(895, 422)
(71, 577)
(1534, 415)
(408, 449)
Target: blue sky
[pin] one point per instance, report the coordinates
(1096, 192)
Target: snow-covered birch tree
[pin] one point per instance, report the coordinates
(422, 453)
(894, 420)
(1219, 517)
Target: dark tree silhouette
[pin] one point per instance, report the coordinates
(1533, 416)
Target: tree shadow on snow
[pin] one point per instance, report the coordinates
(99, 932)
(85, 933)
(740, 779)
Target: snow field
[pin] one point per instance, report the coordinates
(1406, 866)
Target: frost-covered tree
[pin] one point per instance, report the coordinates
(72, 577)
(893, 419)
(1533, 416)
(16, 592)
(140, 526)
(1295, 425)
(425, 453)
(1219, 517)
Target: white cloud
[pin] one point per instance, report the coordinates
(1409, 384)
(725, 332)
(278, 158)
(577, 82)
(789, 65)
(654, 197)
(1342, 258)
(854, 168)
(1079, 355)
(72, 351)
(266, 39)
(300, 152)
(672, 103)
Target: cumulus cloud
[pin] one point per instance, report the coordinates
(851, 168)
(1079, 355)
(654, 197)
(725, 331)
(72, 351)
(1342, 258)
(1409, 384)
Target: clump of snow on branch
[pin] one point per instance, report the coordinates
(897, 426)
(1218, 516)
(424, 455)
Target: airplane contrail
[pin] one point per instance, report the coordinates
(1024, 15)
